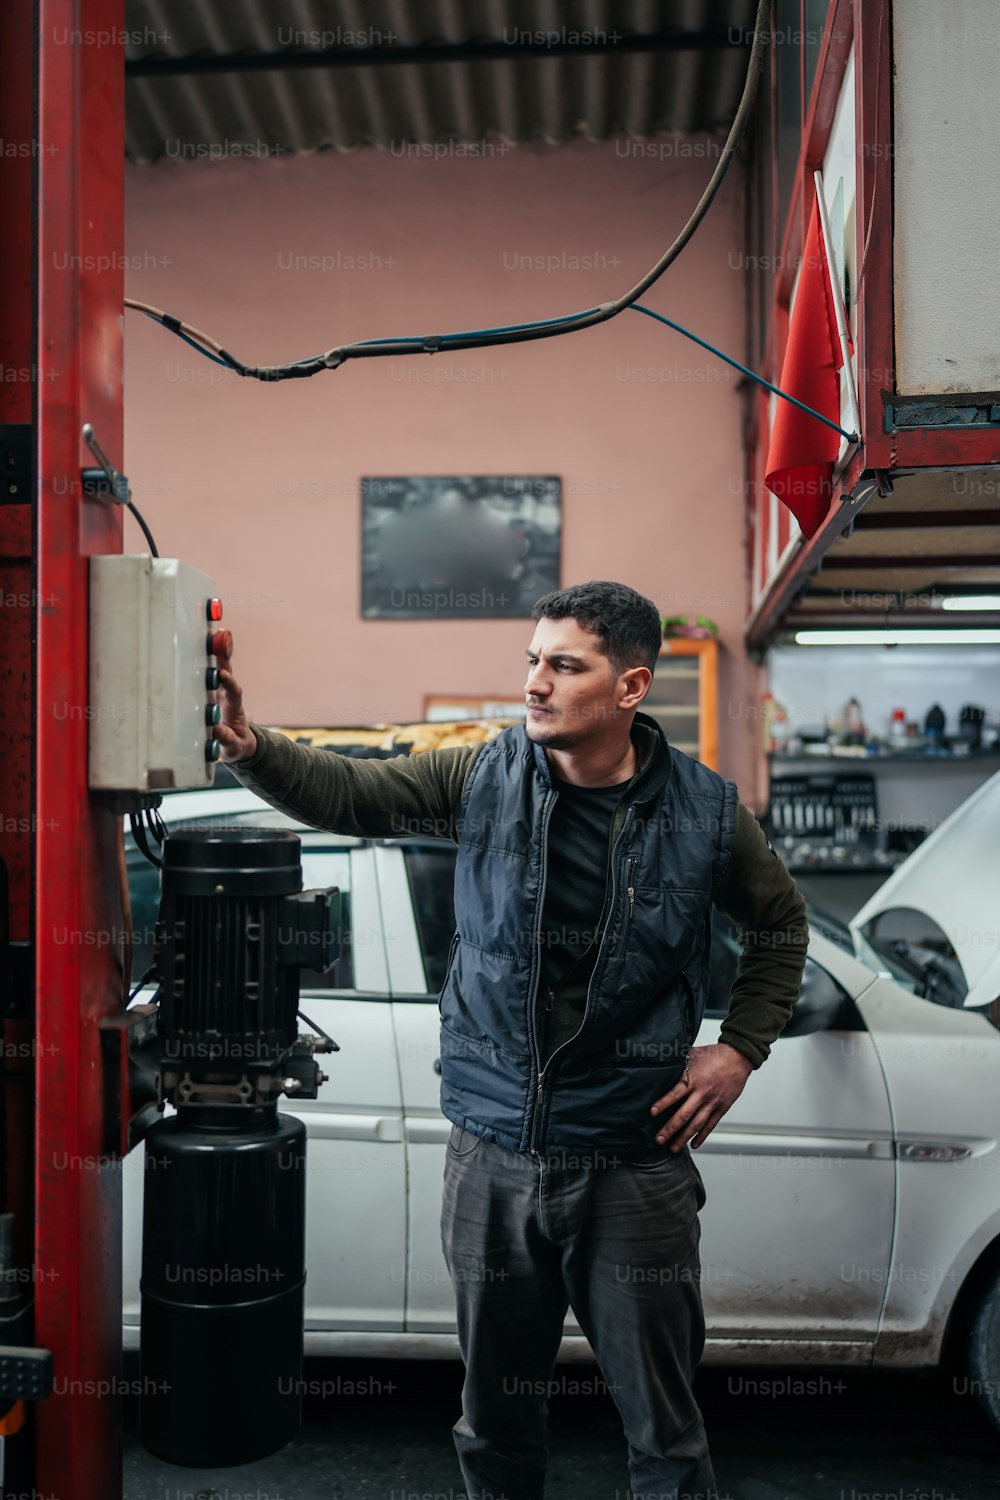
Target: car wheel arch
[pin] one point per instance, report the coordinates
(981, 1281)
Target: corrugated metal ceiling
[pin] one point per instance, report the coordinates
(511, 70)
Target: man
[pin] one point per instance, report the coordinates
(590, 854)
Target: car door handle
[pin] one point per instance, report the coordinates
(437, 1065)
(330, 1126)
(429, 1130)
(754, 1143)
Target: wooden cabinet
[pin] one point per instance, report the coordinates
(684, 697)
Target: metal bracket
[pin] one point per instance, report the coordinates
(104, 483)
(25, 1374)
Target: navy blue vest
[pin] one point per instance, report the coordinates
(647, 992)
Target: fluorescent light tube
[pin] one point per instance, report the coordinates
(958, 637)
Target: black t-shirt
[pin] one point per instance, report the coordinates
(576, 888)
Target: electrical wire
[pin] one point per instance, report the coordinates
(147, 820)
(149, 974)
(512, 333)
(125, 901)
(871, 205)
(154, 824)
(851, 437)
(129, 505)
(117, 485)
(139, 835)
(522, 332)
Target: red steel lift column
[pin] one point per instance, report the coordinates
(61, 170)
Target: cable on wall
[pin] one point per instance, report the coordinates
(512, 333)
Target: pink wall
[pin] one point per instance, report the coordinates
(258, 484)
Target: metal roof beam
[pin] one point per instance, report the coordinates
(909, 564)
(536, 44)
(925, 520)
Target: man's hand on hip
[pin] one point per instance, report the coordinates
(233, 733)
(713, 1080)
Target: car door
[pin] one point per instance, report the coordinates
(799, 1175)
(355, 1167)
(416, 881)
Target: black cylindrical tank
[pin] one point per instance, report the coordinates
(223, 1277)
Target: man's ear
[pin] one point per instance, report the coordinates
(635, 685)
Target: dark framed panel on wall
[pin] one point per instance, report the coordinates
(478, 546)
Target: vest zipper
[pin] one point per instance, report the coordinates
(630, 865)
(539, 1101)
(533, 1037)
(689, 1009)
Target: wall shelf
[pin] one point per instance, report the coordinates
(912, 757)
(684, 696)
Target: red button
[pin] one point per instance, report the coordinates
(220, 644)
(215, 609)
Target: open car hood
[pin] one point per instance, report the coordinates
(954, 878)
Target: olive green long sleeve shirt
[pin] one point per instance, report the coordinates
(421, 795)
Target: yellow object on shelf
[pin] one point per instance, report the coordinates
(412, 737)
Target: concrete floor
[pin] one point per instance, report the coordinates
(879, 1437)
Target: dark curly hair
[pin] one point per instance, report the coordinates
(626, 623)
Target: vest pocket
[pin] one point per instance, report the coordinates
(630, 868)
(447, 971)
(610, 1107)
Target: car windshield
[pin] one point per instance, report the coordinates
(917, 953)
(830, 927)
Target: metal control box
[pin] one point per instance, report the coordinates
(153, 679)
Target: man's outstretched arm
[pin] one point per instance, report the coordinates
(407, 795)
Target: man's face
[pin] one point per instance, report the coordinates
(571, 694)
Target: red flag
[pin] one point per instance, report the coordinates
(803, 451)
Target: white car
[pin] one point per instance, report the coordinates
(853, 1213)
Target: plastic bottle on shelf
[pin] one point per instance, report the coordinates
(934, 727)
(779, 728)
(767, 719)
(854, 727)
(775, 724)
(898, 735)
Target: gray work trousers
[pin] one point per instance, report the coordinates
(613, 1236)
